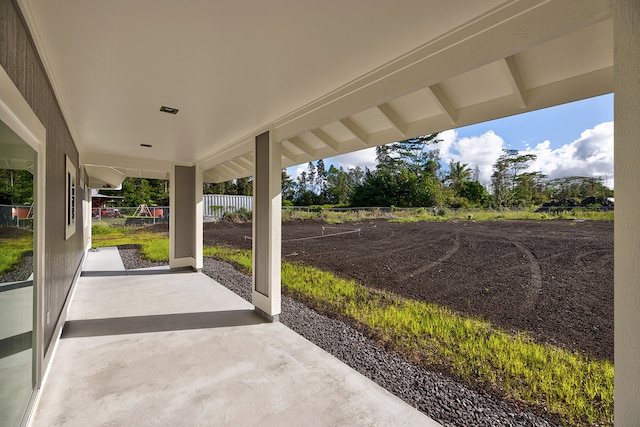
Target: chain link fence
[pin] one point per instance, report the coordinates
(131, 216)
(20, 216)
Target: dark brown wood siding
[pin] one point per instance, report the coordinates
(20, 60)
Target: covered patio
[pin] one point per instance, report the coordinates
(156, 347)
(205, 91)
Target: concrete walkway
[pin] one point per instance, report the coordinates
(161, 348)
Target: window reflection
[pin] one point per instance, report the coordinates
(17, 163)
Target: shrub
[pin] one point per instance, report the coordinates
(239, 216)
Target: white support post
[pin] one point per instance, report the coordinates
(267, 239)
(185, 221)
(199, 216)
(627, 223)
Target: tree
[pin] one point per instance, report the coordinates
(311, 176)
(244, 186)
(288, 187)
(530, 188)
(303, 195)
(321, 182)
(505, 172)
(578, 187)
(356, 175)
(458, 173)
(411, 154)
(213, 188)
(475, 193)
(339, 186)
(16, 186)
(406, 175)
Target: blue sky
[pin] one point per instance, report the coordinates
(570, 139)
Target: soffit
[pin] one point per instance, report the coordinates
(324, 77)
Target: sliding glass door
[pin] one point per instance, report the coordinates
(17, 215)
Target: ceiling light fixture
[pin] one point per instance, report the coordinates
(169, 110)
(146, 145)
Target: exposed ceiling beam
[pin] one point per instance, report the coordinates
(443, 103)
(393, 118)
(356, 131)
(224, 167)
(515, 79)
(327, 139)
(246, 163)
(235, 167)
(303, 146)
(239, 148)
(284, 151)
(214, 175)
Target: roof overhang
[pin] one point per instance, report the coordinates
(326, 78)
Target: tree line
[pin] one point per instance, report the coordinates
(408, 173)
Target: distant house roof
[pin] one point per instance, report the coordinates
(98, 200)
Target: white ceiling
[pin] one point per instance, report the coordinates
(325, 77)
(14, 152)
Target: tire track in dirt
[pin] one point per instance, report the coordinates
(593, 265)
(446, 256)
(533, 291)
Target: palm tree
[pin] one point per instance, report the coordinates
(458, 173)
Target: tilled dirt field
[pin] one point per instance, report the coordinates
(553, 279)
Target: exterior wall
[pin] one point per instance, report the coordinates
(63, 257)
(216, 205)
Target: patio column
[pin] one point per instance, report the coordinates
(185, 221)
(627, 222)
(267, 212)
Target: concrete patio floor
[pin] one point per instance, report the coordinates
(162, 348)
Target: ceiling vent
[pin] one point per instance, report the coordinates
(169, 110)
(146, 145)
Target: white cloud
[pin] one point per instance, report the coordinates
(481, 151)
(589, 155)
(295, 171)
(364, 158)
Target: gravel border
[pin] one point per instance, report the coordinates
(21, 272)
(441, 398)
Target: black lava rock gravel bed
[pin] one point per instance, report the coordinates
(444, 400)
(21, 272)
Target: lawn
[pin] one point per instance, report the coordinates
(13, 248)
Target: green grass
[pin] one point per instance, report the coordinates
(577, 389)
(12, 251)
(154, 246)
(492, 215)
(430, 214)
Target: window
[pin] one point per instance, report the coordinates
(70, 211)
